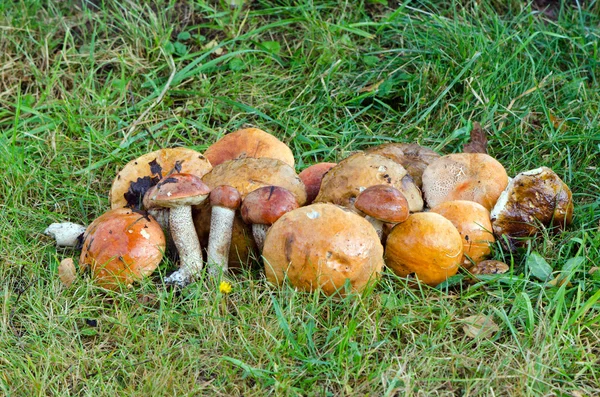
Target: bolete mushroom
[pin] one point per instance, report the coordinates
(122, 246)
(323, 246)
(344, 182)
(413, 157)
(179, 192)
(472, 220)
(248, 142)
(312, 177)
(263, 206)
(139, 175)
(426, 246)
(224, 201)
(382, 204)
(464, 176)
(533, 199)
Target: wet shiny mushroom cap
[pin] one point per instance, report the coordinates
(248, 142)
(265, 205)
(312, 177)
(139, 175)
(384, 203)
(178, 190)
(121, 247)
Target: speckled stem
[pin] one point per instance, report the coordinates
(260, 232)
(219, 239)
(186, 240)
(377, 224)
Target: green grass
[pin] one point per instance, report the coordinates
(74, 79)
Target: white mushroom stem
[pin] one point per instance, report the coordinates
(377, 224)
(186, 240)
(259, 232)
(66, 234)
(219, 239)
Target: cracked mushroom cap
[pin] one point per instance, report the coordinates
(248, 142)
(323, 246)
(265, 205)
(122, 246)
(312, 177)
(139, 175)
(384, 203)
(342, 184)
(178, 190)
(533, 199)
(464, 176)
(426, 246)
(413, 157)
(472, 220)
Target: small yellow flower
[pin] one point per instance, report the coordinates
(224, 287)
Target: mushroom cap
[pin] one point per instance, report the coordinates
(464, 176)
(225, 196)
(265, 205)
(323, 246)
(132, 182)
(122, 246)
(413, 157)
(312, 177)
(248, 142)
(472, 220)
(383, 202)
(426, 245)
(343, 183)
(532, 199)
(178, 190)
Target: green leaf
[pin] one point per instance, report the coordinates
(370, 60)
(271, 46)
(180, 49)
(538, 266)
(183, 36)
(571, 265)
(236, 64)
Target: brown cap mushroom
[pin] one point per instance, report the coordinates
(248, 142)
(472, 220)
(263, 206)
(122, 246)
(323, 246)
(179, 192)
(382, 204)
(427, 246)
(464, 176)
(343, 183)
(132, 182)
(413, 157)
(312, 177)
(533, 199)
(224, 201)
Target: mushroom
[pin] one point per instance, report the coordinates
(312, 177)
(413, 157)
(66, 234)
(139, 175)
(224, 201)
(342, 184)
(248, 142)
(179, 192)
(382, 204)
(472, 220)
(323, 246)
(464, 176)
(263, 206)
(246, 175)
(426, 246)
(533, 199)
(122, 246)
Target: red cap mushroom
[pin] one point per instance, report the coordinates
(312, 177)
(382, 204)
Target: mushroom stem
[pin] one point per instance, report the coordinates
(187, 243)
(377, 224)
(259, 231)
(219, 239)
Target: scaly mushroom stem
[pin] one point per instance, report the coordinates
(187, 243)
(377, 224)
(219, 239)
(259, 231)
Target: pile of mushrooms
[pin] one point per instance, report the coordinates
(332, 227)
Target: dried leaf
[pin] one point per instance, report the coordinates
(66, 271)
(372, 87)
(593, 270)
(478, 141)
(479, 326)
(558, 281)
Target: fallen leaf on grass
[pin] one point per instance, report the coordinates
(558, 281)
(372, 87)
(66, 271)
(478, 141)
(479, 326)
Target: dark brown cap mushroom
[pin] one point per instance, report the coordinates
(224, 201)
(382, 204)
(248, 142)
(312, 177)
(263, 206)
(179, 192)
(121, 247)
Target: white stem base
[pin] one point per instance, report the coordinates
(187, 243)
(219, 240)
